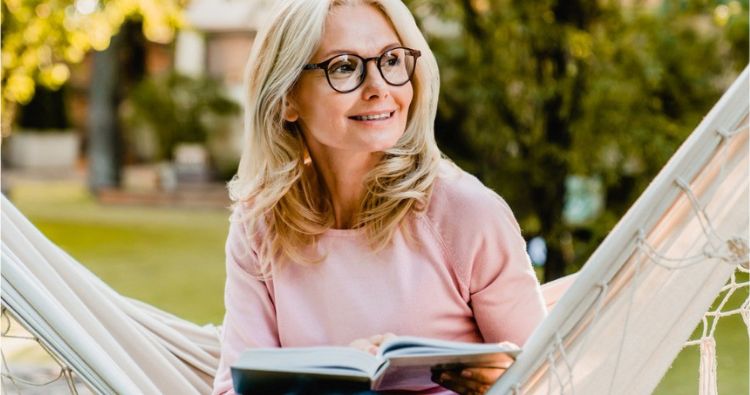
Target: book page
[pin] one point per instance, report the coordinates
(409, 345)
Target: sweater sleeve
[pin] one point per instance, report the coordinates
(250, 319)
(505, 295)
(484, 246)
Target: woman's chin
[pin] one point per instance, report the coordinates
(380, 140)
(382, 145)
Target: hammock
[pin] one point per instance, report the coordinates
(113, 343)
(649, 284)
(626, 315)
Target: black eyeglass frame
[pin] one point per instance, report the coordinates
(324, 66)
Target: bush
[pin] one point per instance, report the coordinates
(178, 109)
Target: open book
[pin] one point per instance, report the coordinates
(402, 363)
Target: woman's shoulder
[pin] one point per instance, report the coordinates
(463, 211)
(240, 226)
(460, 196)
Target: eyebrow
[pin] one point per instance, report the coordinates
(349, 51)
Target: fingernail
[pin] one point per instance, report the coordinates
(466, 373)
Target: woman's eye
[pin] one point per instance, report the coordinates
(392, 61)
(342, 68)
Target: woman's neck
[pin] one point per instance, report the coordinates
(343, 173)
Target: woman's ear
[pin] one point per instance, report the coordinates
(289, 110)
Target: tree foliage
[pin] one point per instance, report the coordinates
(178, 108)
(536, 91)
(42, 37)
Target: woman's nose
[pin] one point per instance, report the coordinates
(374, 85)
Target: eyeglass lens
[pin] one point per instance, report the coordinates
(346, 72)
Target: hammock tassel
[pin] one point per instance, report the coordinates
(745, 313)
(707, 380)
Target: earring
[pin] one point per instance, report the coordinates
(288, 113)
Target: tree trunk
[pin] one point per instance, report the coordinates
(104, 137)
(550, 197)
(555, 266)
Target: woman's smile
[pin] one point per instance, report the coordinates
(373, 117)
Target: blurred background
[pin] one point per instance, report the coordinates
(121, 123)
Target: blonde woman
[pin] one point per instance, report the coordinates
(348, 226)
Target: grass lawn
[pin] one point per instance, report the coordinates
(732, 355)
(170, 258)
(174, 259)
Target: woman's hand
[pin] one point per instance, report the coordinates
(372, 344)
(468, 380)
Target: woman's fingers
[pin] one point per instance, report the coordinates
(388, 336)
(484, 375)
(371, 343)
(380, 339)
(364, 345)
(454, 382)
(468, 380)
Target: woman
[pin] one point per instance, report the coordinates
(348, 227)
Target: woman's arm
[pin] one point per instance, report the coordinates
(483, 242)
(484, 246)
(505, 295)
(250, 320)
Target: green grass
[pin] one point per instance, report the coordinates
(170, 258)
(732, 355)
(174, 259)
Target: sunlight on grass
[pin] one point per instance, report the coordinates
(171, 258)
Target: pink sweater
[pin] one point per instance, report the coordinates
(469, 280)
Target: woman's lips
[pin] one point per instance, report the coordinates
(373, 117)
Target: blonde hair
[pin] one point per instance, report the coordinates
(282, 196)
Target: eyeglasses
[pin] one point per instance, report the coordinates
(346, 72)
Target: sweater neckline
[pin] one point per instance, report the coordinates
(344, 232)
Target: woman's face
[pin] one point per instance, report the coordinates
(333, 122)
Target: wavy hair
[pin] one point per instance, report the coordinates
(283, 198)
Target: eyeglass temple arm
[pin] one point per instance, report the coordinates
(313, 66)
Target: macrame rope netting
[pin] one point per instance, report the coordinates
(730, 250)
(113, 343)
(18, 383)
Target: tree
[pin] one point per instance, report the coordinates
(42, 37)
(536, 91)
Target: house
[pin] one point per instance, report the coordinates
(217, 43)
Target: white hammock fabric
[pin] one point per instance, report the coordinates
(115, 344)
(636, 301)
(119, 345)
